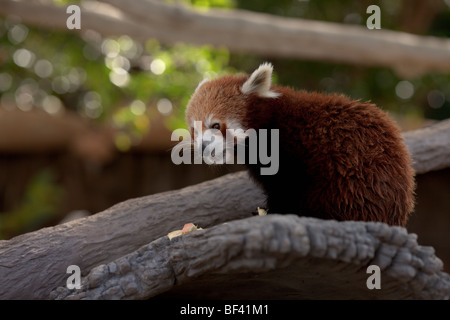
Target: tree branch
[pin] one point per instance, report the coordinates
(430, 147)
(244, 31)
(278, 251)
(33, 264)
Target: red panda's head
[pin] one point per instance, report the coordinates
(221, 104)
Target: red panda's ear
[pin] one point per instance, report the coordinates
(260, 81)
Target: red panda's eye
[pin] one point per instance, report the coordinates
(215, 126)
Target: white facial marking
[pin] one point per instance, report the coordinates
(208, 121)
(197, 136)
(236, 128)
(214, 143)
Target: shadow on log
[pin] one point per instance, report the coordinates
(34, 264)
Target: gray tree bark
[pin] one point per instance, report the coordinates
(273, 257)
(430, 147)
(409, 55)
(34, 264)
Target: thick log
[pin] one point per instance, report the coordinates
(430, 147)
(273, 257)
(33, 264)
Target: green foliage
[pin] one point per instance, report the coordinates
(66, 2)
(107, 80)
(208, 3)
(38, 206)
(431, 93)
(102, 78)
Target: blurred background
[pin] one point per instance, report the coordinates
(85, 120)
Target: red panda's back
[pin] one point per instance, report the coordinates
(353, 154)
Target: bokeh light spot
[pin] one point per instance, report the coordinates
(404, 90)
(23, 58)
(43, 68)
(137, 107)
(52, 105)
(436, 99)
(164, 106)
(158, 66)
(119, 77)
(17, 33)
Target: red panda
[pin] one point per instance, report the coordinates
(339, 158)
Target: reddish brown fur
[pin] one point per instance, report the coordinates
(221, 97)
(339, 158)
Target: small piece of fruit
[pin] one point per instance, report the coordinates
(174, 234)
(261, 211)
(188, 227)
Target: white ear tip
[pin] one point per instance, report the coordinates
(260, 82)
(266, 66)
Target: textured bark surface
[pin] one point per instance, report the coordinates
(430, 147)
(298, 258)
(34, 264)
